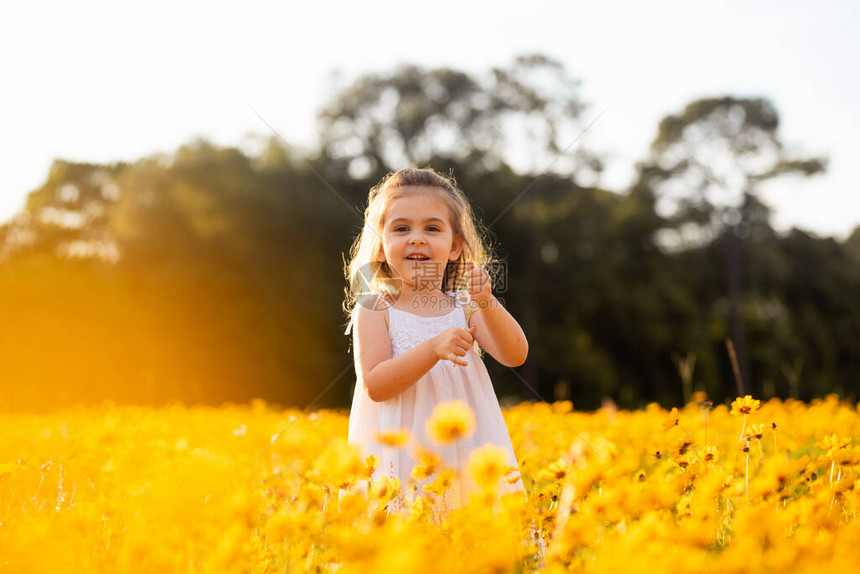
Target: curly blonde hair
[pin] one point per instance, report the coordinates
(365, 274)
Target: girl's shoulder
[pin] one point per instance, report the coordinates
(377, 302)
(373, 302)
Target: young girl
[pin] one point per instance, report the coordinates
(415, 335)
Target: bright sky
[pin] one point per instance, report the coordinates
(100, 81)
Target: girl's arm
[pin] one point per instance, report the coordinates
(500, 334)
(497, 331)
(386, 377)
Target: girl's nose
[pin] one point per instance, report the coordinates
(416, 239)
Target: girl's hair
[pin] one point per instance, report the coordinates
(365, 274)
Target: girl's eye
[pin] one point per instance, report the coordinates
(400, 228)
(432, 228)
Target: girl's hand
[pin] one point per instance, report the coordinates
(478, 284)
(453, 343)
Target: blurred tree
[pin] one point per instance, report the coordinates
(519, 115)
(67, 216)
(821, 287)
(221, 284)
(706, 167)
(212, 274)
(248, 236)
(852, 244)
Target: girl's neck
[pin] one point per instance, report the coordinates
(423, 301)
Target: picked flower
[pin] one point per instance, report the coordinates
(450, 421)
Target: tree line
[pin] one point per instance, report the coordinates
(215, 274)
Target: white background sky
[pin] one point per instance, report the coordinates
(103, 81)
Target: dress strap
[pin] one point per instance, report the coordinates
(375, 300)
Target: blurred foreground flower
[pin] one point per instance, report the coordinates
(450, 421)
(385, 488)
(370, 464)
(393, 438)
(486, 465)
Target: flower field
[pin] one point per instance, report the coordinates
(252, 488)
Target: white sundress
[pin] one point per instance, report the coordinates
(445, 381)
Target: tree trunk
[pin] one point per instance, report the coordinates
(734, 269)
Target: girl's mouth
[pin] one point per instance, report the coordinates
(418, 258)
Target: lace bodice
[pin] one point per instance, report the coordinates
(408, 330)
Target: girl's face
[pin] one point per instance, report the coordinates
(418, 239)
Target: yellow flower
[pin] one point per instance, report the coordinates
(370, 464)
(684, 445)
(422, 506)
(385, 488)
(745, 406)
(486, 465)
(672, 419)
(846, 457)
(756, 431)
(450, 421)
(7, 468)
(556, 470)
(394, 438)
(685, 460)
(441, 483)
(426, 466)
(512, 476)
(338, 464)
(833, 443)
(711, 454)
